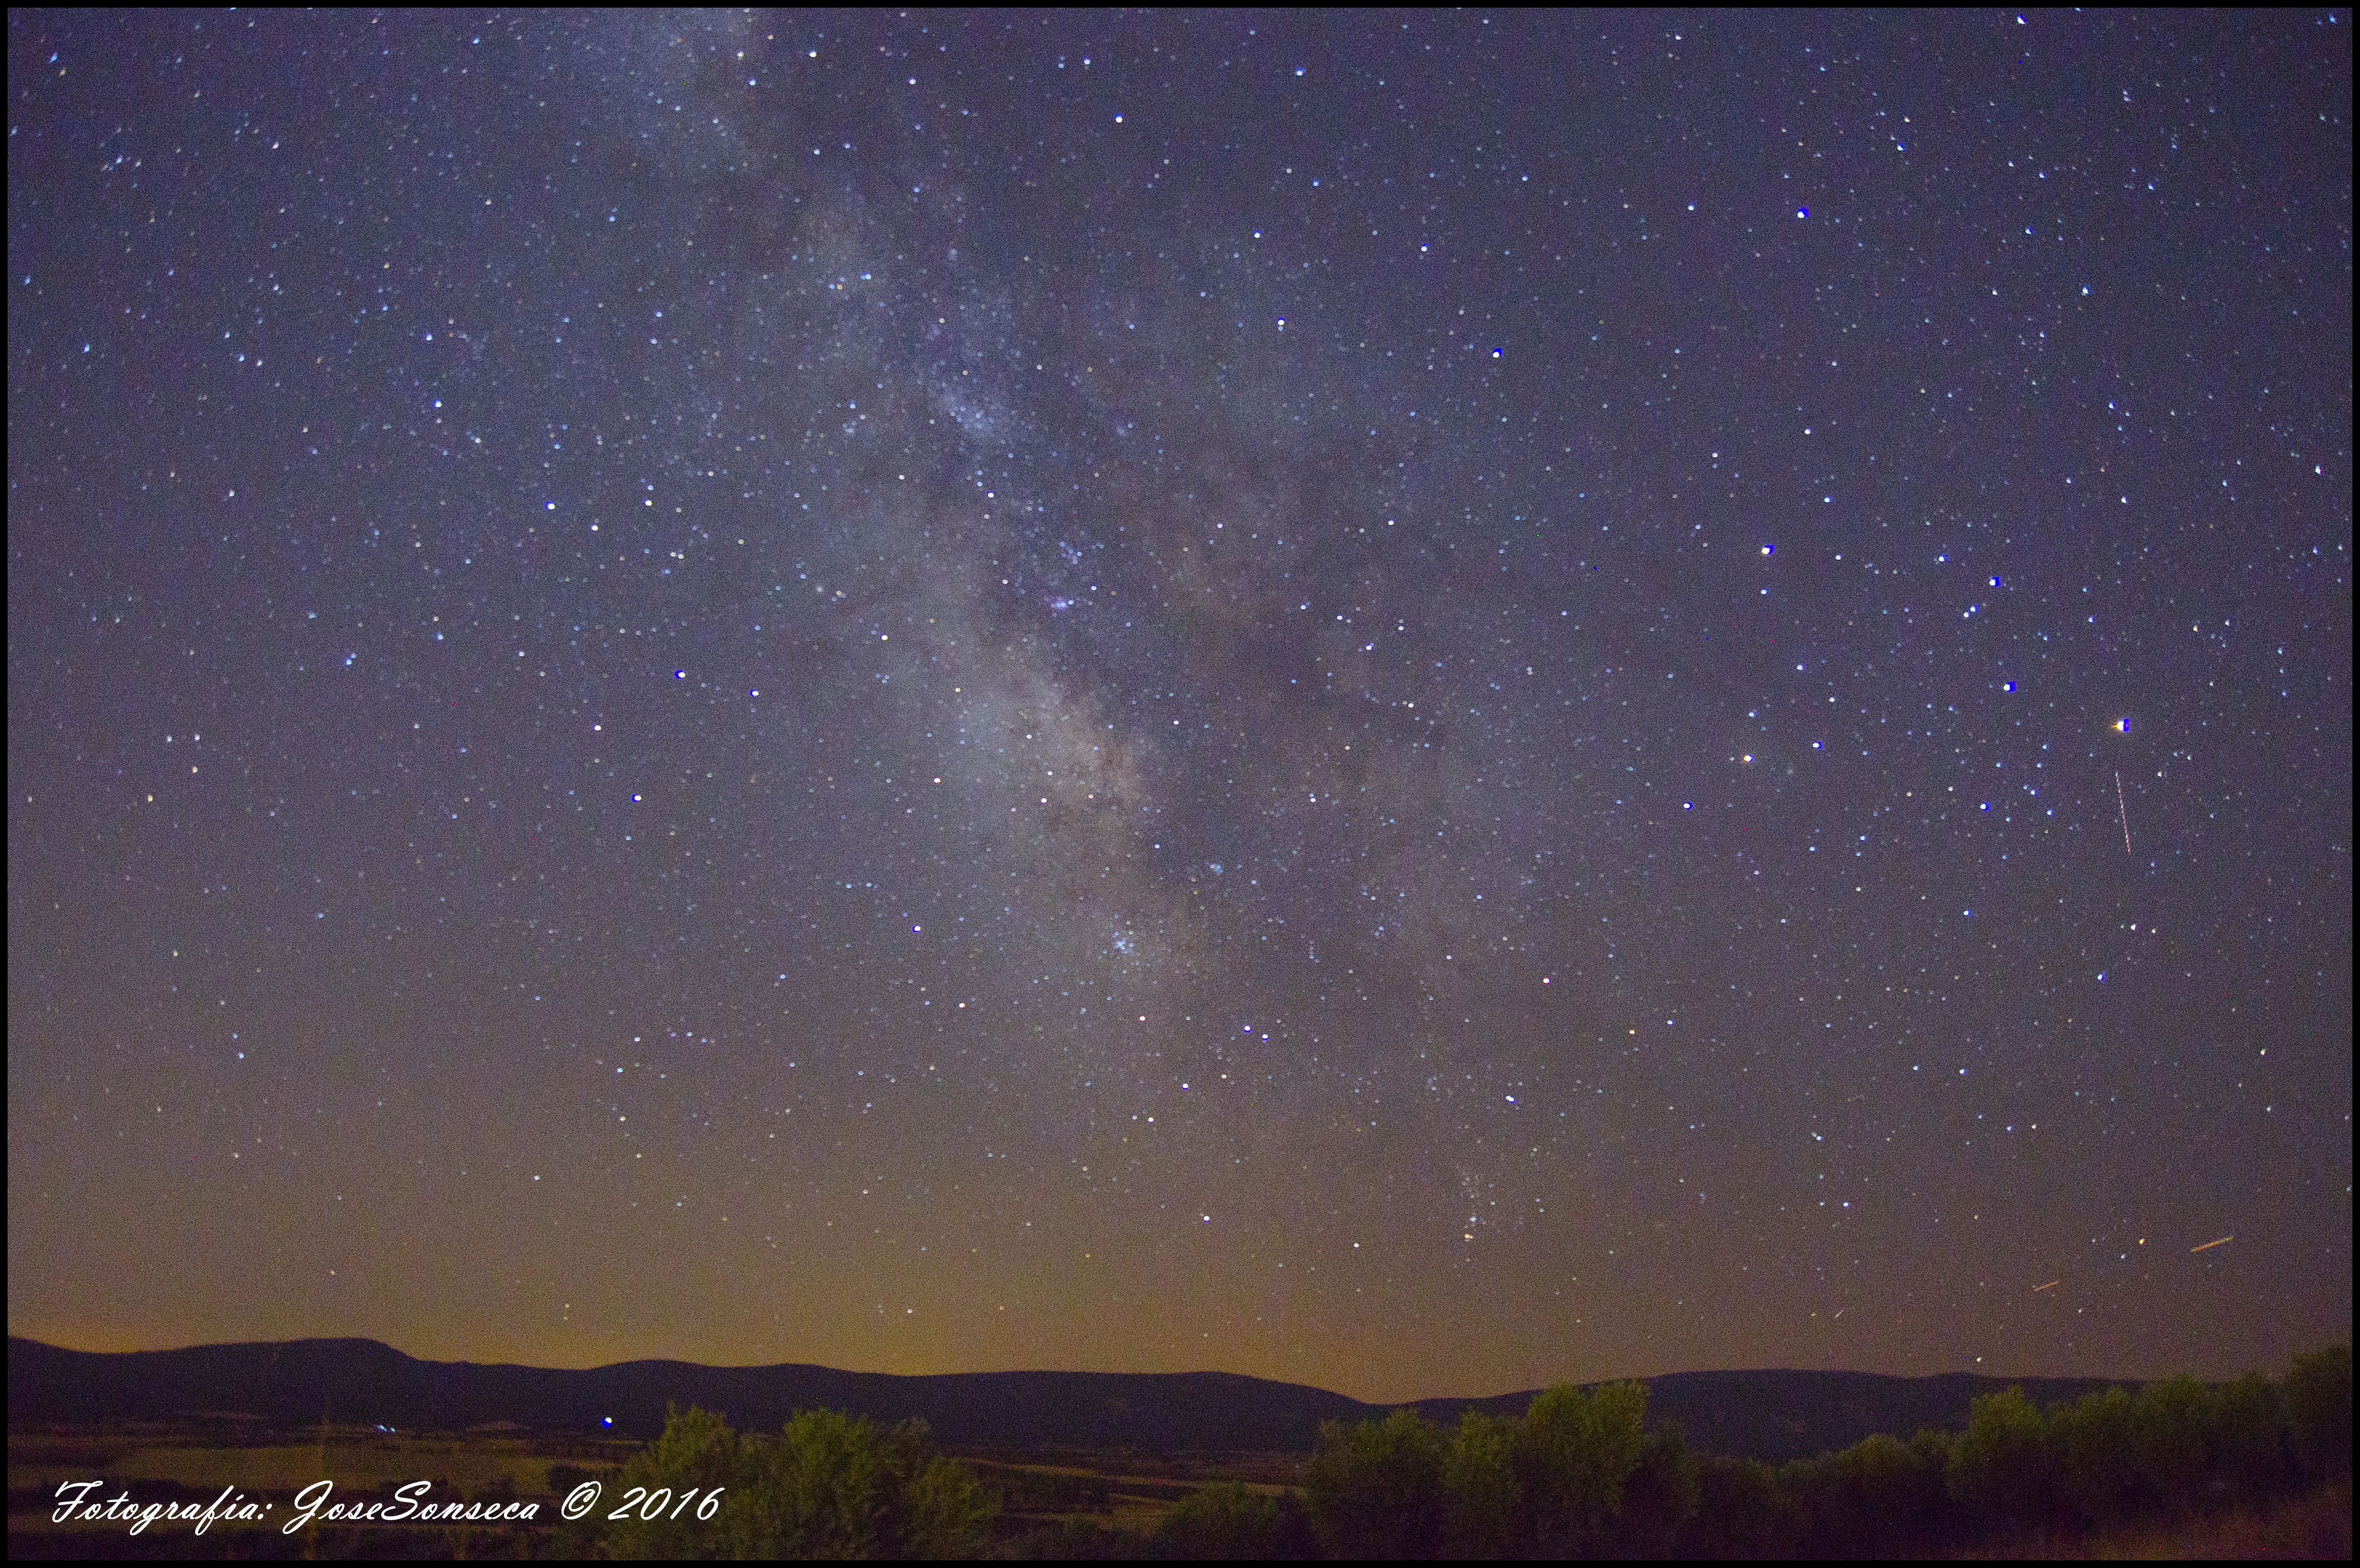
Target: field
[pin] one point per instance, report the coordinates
(1115, 1492)
(1054, 1504)
(196, 1465)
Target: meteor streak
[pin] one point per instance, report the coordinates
(2124, 810)
(2211, 1245)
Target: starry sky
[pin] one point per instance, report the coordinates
(1423, 705)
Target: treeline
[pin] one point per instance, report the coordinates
(2173, 1450)
(1580, 1474)
(1583, 1475)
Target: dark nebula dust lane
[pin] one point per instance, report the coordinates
(1423, 705)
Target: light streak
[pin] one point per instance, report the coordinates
(2051, 1286)
(2123, 809)
(2211, 1245)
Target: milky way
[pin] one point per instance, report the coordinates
(1418, 704)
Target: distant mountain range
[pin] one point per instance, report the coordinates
(1763, 1415)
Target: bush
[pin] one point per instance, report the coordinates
(946, 1512)
(1575, 1454)
(830, 1485)
(2318, 1412)
(1742, 1511)
(1658, 1498)
(696, 1452)
(1375, 1489)
(1229, 1521)
(563, 1478)
(1554, 1483)
(1483, 1512)
(1079, 1540)
(2170, 1437)
(1999, 1471)
(2250, 1457)
(1880, 1497)
(2097, 1472)
(827, 1489)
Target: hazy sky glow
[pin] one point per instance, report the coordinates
(1420, 705)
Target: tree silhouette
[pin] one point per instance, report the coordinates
(1577, 1474)
(1659, 1497)
(1743, 1510)
(1880, 1497)
(829, 1486)
(2097, 1468)
(1486, 1517)
(1553, 1484)
(2170, 1436)
(698, 1452)
(1999, 1470)
(1375, 1489)
(1576, 1451)
(2318, 1412)
(1229, 1522)
(2248, 1441)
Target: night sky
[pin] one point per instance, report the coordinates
(1419, 705)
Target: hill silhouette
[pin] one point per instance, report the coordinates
(1769, 1415)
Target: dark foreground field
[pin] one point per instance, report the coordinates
(1053, 1505)
(2259, 1467)
(1113, 1501)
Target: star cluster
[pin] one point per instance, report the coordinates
(1417, 704)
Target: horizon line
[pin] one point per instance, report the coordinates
(1087, 1372)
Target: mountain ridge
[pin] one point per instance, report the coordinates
(1772, 1415)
